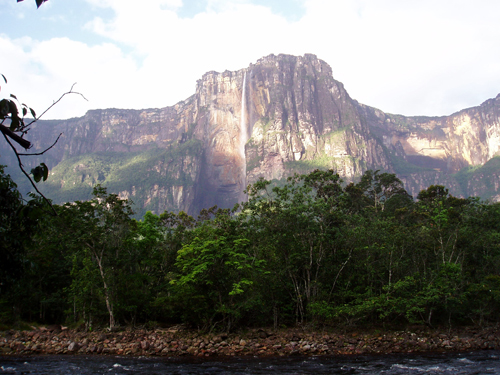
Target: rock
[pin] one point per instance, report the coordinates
(73, 347)
(55, 328)
(262, 334)
(138, 343)
(260, 122)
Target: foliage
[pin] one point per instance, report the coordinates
(311, 250)
(16, 128)
(216, 272)
(12, 244)
(13, 128)
(19, 220)
(95, 232)
(120, 171)
(477, 173)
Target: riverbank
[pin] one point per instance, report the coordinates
(177, 342)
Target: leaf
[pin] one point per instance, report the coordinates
(4, 108)
(5, 79)
(40, 172)
(13, 108)
(37, 173)
(33, 112)
(45, 171)
(13, 96)
(38, 2)
(25, 111)
(15, 122)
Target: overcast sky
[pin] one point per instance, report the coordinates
(412, 57)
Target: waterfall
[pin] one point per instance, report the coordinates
(243, 135)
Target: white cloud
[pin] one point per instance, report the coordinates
(426, 57)
(47, 69)
(177, 51)
(411, 57)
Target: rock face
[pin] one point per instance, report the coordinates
(301, 117)
(282, 115)
(441, 146)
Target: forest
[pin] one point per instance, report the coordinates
(313, 251)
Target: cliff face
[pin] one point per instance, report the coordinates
(433, 150)
(142, 155)
(300, 117)
(281, 115)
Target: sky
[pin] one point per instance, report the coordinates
(410, 57)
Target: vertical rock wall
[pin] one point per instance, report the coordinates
(297, 118)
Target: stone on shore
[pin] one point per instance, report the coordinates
(174, 343)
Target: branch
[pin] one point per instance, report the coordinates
(18, 139)
(44, 151)
(6, 132)
(25, 143)
(57, 101)
(27, 175)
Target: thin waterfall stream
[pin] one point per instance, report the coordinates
(243, 136)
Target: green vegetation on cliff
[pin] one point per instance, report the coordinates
(479, 177)
(132, 172)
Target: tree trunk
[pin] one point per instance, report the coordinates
(107, 297)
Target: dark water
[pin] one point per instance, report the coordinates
(485, 362)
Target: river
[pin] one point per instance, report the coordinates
(481, 362)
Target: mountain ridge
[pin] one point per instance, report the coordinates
(292, 116)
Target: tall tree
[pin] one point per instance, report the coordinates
(97, 231)
(217, 273)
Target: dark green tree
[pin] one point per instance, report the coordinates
(19, 222)
(96, 233)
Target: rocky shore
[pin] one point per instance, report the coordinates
(176, 342)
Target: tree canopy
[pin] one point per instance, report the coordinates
(313, 250)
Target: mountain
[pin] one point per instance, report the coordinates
(282, 115)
